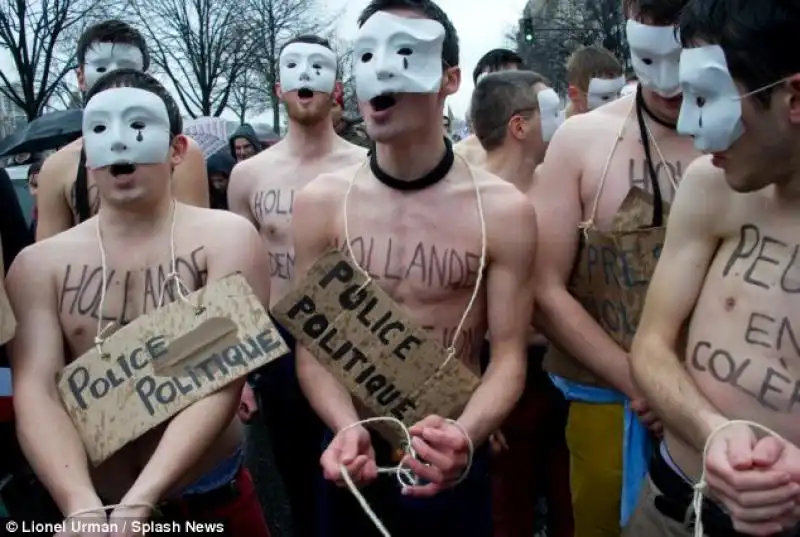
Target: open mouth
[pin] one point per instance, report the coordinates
(305, 93)
(383, 102)
(122, 169)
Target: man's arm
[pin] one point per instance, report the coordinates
(239, 190)
(557, 196)
(313, 207)
(54, 212)
(190, 434)
(688, 251)
(190, 183)
(46, 434)
(509, 292)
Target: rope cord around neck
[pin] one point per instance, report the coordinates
(173, 276)
(404, 476)
(702, 485)
(451, 349)
(106, 508)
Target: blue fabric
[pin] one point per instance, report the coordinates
(636, 445)
(220, 475)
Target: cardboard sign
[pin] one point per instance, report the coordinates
(357, 332)
(163, 362)
(8, 323)
(611, 279)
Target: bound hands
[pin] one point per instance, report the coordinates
(445, 449)
(758, 481)
(351, 448)
(128, 521)
(81, 526)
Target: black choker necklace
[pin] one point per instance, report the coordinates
(643, 105)
(429, 179)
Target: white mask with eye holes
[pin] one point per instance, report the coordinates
(711, 111)
(102, 58)
(307, 66)
(655, 55)
(603, 91)
(550, 112)
(126, 126)
(397, 55)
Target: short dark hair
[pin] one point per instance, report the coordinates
(591, 62)
(450, 47)
(496, 60)
(112, 31)
(307, 38)
(497, 98)
(753, 35)
(660, 12)
(131, 78)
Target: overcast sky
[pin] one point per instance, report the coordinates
(481, 24)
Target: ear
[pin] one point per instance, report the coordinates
(278, 92)
(81, 79)
(793, 85)
(180, 145)
(573, 93)
(516, 127)
(451, 80)
(338, 91)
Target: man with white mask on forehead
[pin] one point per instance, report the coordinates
(67, 191)
(415, 197)
(263, 189)
(595, 78)
(189, 468)
(717, 352)
(594, 163)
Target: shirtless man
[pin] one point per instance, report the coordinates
(729, 274)
(595, 78)
(190, 468)
(404, 203)
(499, 59)
(67, 192)
(263, 189)
(530, 456)
(588, 366)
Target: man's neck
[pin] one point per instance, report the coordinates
(513, 164)
(412, 158)
(650, 101)
(135, 220)
(311, 141)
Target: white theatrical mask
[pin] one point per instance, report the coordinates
(397, 55)
(603, 91)
(655, 55)
(550, 112)
(102, 58)
(125, 126)
(308, 66)
(711, 111)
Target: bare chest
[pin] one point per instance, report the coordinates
(744, 339)
(89, 296)
(630, 168)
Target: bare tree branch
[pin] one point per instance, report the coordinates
(203, 46)
(38, 35)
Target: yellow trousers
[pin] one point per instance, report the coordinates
(594, 438)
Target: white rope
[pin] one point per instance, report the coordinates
(173, 276)
(405, 477)
(106, 508)
(702, 485)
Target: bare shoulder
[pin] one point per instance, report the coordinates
(597, 126)
(330, 186)
(225, 225)
(60, 161)
(44, 258)
(503, 202)
(704, 185)
(350, 152)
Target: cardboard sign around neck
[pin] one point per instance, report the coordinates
(8, 323)
(163, 362)
(615, 267)
(389, 364)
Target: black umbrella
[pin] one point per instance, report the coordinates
(50, 131)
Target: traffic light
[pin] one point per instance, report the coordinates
(527, 30)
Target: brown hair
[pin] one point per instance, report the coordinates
(587, 63)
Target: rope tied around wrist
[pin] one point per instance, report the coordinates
(113, 506)
(701, 486)
(405, 477)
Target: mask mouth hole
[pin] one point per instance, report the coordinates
(383, 102)
(305, 93)
(125, 168)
